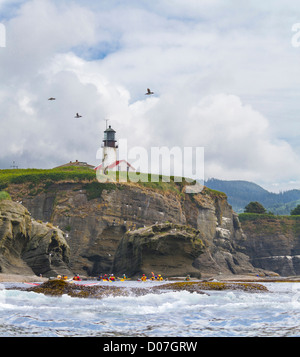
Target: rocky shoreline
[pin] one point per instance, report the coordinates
(20, 278)
(59, 287)
(56, 287)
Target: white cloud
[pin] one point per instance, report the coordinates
(237, 139)
(220, 74)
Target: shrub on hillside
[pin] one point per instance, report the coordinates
(4, 196)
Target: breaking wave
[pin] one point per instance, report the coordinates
(218, 313)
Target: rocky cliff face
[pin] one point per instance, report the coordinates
(273, 243)
(28, 246)
(167, 248)
(95, 218)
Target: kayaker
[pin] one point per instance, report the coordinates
(112, 278)
(144, 278)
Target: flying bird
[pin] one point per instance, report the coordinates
(149, 92)
(77, 116)
(51, 98)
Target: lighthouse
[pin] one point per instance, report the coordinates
(109, 154)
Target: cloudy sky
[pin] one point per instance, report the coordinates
(225, 76)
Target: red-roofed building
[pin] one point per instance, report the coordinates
(119, 165)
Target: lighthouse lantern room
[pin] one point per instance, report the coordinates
(109, 138)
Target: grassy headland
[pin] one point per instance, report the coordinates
(40, 179)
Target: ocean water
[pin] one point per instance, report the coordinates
(171, 314)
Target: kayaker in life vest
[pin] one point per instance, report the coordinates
(144, 278)
(112, 278)
(77, 278)
(159, 277)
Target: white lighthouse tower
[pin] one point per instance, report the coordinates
(109, 153)
(110, 160)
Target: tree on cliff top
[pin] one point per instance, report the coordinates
(295, 211)
(255, 207)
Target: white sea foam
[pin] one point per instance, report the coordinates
(218, 313)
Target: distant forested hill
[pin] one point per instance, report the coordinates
(240, 193)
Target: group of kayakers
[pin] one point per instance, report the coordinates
(64, 277)
(153, 277)
(111, 277)
(106, 277)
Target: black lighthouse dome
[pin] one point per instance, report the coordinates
(109, 137)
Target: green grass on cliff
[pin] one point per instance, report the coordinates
(37, 176)
(244, 217)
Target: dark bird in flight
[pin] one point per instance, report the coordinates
(51, 98)
(149, 92)
(77, 116)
